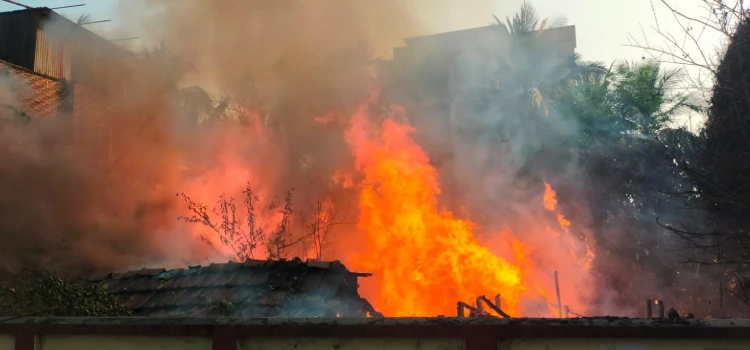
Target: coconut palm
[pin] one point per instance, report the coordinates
(529, 72)
(645, 96)
(526, 89)
(587, 98)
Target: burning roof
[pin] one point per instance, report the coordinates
(255, 288)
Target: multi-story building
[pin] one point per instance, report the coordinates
(53, 67)
(42, 41)
(436, 68)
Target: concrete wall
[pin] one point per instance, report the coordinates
(370, 334)
(94, 342)
(622, 344)
(351, 344)
(7, 342)
(99, 342)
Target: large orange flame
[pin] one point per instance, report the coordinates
(550, 203)
(426, 258)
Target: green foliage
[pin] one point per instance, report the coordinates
(645, 96)
(39, 294)
(624, 99)
(588, 98)
(527, 20)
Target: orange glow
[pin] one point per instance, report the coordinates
(564, 223)
(550, 203)
(232, 169)
(328, 118)
(550, 197)
(426, 259)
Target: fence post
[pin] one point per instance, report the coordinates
(480, 307)
(559, 303)
(660, 308)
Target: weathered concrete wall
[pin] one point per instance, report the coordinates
(372, 333)
(622, 344)
(98, 342)
(95, 342)
(7, 342)
(352, 344)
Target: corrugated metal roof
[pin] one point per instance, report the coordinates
(18, 37)
(24, 42)
(255, 288)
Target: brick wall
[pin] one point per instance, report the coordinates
(38, 95)
(45, 97)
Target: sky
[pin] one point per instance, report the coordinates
(602, 27)
(99, 9)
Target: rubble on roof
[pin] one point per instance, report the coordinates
(255, 288)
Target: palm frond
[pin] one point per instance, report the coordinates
(83, 18)
(543, 25)
(558, 22)
(525, 21)
(538, 100)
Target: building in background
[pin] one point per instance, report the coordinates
(53, 67)
(44, 42)
(436, 68)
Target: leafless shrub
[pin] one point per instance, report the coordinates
(319, 226)
(243, 235)
(713, 166)
(280, 240)
(688, 48)
(223, 220)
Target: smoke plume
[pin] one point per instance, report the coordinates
(284, 79)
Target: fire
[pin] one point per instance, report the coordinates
(426, 259)
(550, 203)
(550, 197)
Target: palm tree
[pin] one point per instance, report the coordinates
(645, 96)
(587, 98)
(527, 82)
(527, 20)
(531, 74)
(626, 98)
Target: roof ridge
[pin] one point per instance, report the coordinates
(334, 265)
(493, 26)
